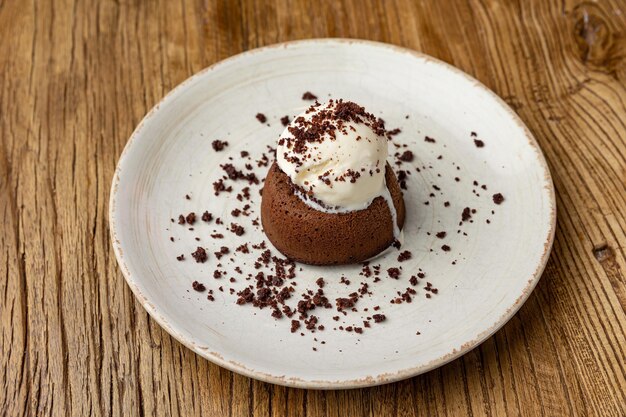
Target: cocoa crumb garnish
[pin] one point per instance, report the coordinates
(320, 282)
(217, 236)
(261, 117)
(379, 318)
(187, 197)
(244, 154)
(285, 120)
(295, 325)
(223, 251)
(206, 217)
(180, 258)
(441, 235)
(498, 198)
(393, 132)
(479, 143)
(404, 256)
(181, 219)
(446, 204)
(466, 215)
(345, 303)
(407, 156)
(219, 145)
(219, 187)
(200, 255)
(445, 248)
(235, 174)
(413, 280)
(237, 229)
(191, 218)
(243, 248)
(198, 286)
(429, 139)
(309, 96)
(393, 272)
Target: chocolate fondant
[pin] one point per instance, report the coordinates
(311, 236)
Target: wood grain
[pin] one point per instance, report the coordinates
(76, 78)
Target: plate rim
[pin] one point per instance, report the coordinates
(368, 381)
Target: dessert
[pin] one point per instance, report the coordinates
(331, 197)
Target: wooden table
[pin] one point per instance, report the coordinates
(77, 77)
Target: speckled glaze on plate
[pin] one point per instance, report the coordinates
(497, 264)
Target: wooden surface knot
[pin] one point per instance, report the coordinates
(601, 45)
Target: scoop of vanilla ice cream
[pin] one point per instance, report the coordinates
(336, 154)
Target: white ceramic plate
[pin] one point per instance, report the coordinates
(497, 264)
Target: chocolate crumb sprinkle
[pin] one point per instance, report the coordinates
(405, 255)
(393, 272)
(261, 117)
(219, 145)
(200, 255)
(206, 217)
(498, 198)
(379, 318)
(407, 156)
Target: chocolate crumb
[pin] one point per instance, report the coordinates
(498, 198)
(181, 219)
(237, 229)
(200, 255)
(404, 256)
(413, 280)
(441, 235)
(445, 248)
(429, 140)
(378, 318)
(206, 217)
(285, 120)
(198, 286)
(261, 117)
(446, 204)
(295, 325)
(191, 218)
(187, 197)
(479, 143)
(393, 273)
(309, 96)
(180, 257)
(407, 156)
(466, 215)
(320, 282)
(219, 145)
(244, 154)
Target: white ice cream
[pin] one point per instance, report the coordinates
(344, 172)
